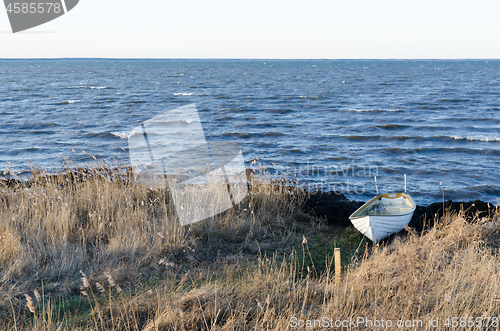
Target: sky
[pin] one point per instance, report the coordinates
(271, 29)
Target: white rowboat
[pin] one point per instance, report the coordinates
(383, 215)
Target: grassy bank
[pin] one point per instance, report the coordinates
(81, 251)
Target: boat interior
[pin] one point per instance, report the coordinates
(387, 204)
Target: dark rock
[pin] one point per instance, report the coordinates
(10, 183)
(333, 206)
(336, 209)
(426, 215)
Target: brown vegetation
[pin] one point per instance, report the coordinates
(93, 252)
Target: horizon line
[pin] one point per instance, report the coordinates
(249, 59)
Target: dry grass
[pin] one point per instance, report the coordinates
(105, 254)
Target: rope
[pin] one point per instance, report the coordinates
(354, 257)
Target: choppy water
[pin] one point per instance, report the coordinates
(436, 121)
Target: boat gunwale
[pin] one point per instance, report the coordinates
(385, 195)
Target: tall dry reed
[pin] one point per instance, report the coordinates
(140, 270)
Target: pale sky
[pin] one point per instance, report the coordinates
(318, 29)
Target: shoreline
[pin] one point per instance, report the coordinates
(336, 208)
(332, 206)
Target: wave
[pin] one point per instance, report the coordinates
(362, 138)
(68, 102)
(392, 126)
(32, 149)
(35, 126)
(434, 128)
(477, 138)
(103, 101)
(279, 110)
(485, 188)
(273, 134)
(184, 94)
(427, 138)
(393, 150)
(237, 134)
(154, 130)
(374, 110)
(121, 135)
(42, 132)
(317, 97)
(453, 150)
(89, 87)
(159, 122)
(454, 100)
(298, 151)
(401, 138)
(98, 134)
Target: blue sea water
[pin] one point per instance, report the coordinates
(333, 123)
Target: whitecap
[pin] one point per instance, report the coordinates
(185, 94)
(68, 102)
(375, 110)
(173, 121)
(121, 135)
(477, 138)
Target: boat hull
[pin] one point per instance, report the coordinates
(377, 227)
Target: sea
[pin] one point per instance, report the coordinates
(320, 124)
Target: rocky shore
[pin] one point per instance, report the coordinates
(332, 206)
(336, 209)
